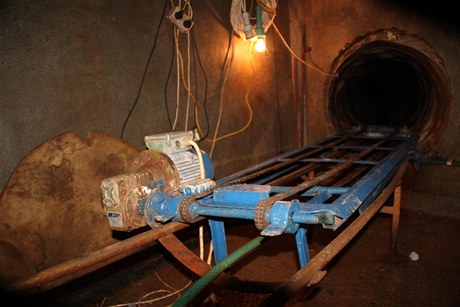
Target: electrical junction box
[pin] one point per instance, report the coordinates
(169, 143)
(180, 19)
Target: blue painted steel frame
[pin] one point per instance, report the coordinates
(240, 200)
(359, 196)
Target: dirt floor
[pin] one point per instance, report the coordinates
(363, 274)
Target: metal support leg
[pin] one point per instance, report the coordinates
(302, 246)
(395, 220)
(218, 239)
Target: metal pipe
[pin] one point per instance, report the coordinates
(222, 212)
(301, 218)
(291, 161)
(305, 169)
(69, 270)
(396, 212)
(305, 218)
(260, 213)
(326, 160)
(307, 274)
(449, 162)
(293, 175)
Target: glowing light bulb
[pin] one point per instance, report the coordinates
(260, 44)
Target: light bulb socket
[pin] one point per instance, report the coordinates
(259, 27)
(248, 28)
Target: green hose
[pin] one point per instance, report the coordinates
(215, 271)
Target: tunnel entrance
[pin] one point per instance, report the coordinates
(391, 78)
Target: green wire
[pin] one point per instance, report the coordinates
(215, 271)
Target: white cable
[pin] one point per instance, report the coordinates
(211, 249)
(221, 102)
(171, 292)
(298, 58)
(201, 228)
(200, 157)
(188, 80)
(202, 175)
(190, 10)
(201, 235)
(176, 39)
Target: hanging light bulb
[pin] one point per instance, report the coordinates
(260, 32)
(260, 44)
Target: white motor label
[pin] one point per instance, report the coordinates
(115, 219)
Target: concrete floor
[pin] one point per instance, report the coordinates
(363, 274)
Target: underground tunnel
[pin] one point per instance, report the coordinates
(383, 81)
(109, 220)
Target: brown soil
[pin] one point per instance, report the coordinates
(363, 274)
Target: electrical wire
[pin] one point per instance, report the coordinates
(188, 82)
(136, 100)
(180, 68)
(211, 249)
(248, 123)
(181, 77)
(172, 292)
(187, 85)
(270, 9)
(176, 39)
(278, 115)
(190, 9)
(225, 67)
(205, 92)
(221, 102)
(167, 82)
(195, 84)
(202, 175)
(201, 236)
(297, 57)
(200, 157)
(238, 7)
(246, 100)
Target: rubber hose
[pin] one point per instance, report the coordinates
(216, 270)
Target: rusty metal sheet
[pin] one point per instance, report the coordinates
(51, 210)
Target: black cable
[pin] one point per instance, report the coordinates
(136, 100)
(229, 45)
(205, 99)
(278, 116)
(227, 62)
(173, 53)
